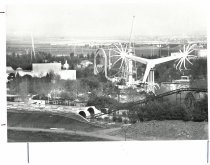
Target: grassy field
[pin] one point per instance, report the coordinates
(47, 120)
(30, 136)
(165, 130)
(150, 130)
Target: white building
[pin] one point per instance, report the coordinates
(41, 69)
(202, 53)
(67, 74)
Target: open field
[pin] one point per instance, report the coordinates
(40, 136)
(41, 126)
(165, 130)
(39, 119)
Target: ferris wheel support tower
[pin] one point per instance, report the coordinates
(130, 79)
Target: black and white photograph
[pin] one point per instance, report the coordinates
(90, 72)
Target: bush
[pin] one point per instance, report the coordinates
(102, 102)
(119, 119)
(158, 111)
(114, 119)
(200, 113)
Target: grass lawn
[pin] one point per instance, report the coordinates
(149, 130)
(47, 120)
(30, 136)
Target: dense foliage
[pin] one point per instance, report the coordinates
(25, 61)
(168, 71)
(168, 111)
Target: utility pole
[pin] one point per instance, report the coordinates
(32, 43)
(131, 32)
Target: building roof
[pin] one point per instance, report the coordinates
(46, 67)
(86, 62)
(9, 69)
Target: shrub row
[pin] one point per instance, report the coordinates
(167, 111)
(158, 111)
(155, 110)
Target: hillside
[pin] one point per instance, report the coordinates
(48, 120)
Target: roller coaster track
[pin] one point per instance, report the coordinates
(160, 96)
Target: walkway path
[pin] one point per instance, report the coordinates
(97, 134)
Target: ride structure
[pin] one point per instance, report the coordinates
(120, 58)
(118, 64)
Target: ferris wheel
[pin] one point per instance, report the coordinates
(114, 62)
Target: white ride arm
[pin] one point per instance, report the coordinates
(148, 68)
(138, 59)
(165, 59)
(152, 62)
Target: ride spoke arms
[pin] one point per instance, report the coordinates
(116, 51)
(178, 63)
(116, 62)
(117, 48)
(189, 61)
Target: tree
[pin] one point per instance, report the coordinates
(70, 86)
(23, 90)
(110, 89)
(92, 82)
(199, 69)
(41, 87)
(101, 102)
(67, 96)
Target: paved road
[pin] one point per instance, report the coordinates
(97, 134)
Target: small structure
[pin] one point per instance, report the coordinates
(85, 63)
(19, 69)
(14, 98)
(9, 70)
(66, 65)
(202, 53)
(87, 112)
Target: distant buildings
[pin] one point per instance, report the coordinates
(41, 69)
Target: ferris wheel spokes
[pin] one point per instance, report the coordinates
(115, 51)
(117, 48)
(116, 62)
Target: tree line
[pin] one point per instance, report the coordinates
(25, 61)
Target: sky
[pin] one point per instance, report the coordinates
(172, 17)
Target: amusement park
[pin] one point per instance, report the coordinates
(123, 90)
